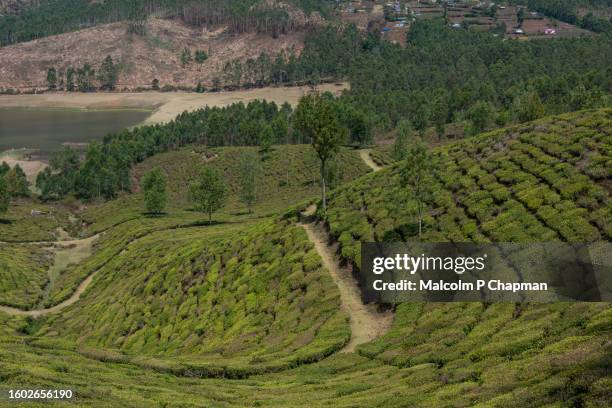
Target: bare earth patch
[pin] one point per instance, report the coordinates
(30, 167)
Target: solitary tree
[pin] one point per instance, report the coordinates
(155, 84)
(415, 174)
(208, 191)
(5, 197)
(154, 186)
(315, 118)
(51, 78)
(250, 170)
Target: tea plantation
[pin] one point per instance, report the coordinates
(242, 313)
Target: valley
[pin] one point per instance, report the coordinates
(186, 188)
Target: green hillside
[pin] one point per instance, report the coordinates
(176, 303)
(211, 297)
(23, 274)
(546, 180)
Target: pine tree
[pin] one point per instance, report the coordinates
(415, 174)
(52, 78)
(108, 74)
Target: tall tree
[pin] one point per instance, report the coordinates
(70, 72)
(85, 78)
(315, 118)
(250, 172)
(208, 191)
(154, 187)
(415, 174)
(266, 138)
(108, 74)
(52, 78)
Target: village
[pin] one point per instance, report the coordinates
(393, 18)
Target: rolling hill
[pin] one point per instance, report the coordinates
(175, 300)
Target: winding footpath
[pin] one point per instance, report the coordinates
(366, 322)
(13, 311)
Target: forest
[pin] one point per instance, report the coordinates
(52, 17)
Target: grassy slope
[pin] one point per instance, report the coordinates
(18, 225)
(23, 274)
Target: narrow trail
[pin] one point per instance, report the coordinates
(367, 158)
(40, 312)
(365, 321)
(71, 248)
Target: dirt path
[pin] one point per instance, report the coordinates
(40, 312)
(66, 253)
(365, 156)
(366, 322)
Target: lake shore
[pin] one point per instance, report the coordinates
(165, 106)
(30, 167)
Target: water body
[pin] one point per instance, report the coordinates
(46, 130)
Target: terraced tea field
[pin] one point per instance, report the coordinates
(548, 180)
(177, 306)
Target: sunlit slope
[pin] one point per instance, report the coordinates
(287, 175)
(23, 274)
(546, 180)
(568, 372)
(223, 300)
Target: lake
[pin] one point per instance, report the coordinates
(46, 129)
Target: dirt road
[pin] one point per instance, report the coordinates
(365, 321)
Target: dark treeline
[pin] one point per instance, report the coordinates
(443, 75)
(59, 16)
(567, 10)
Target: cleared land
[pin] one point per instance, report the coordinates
(155, 55)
